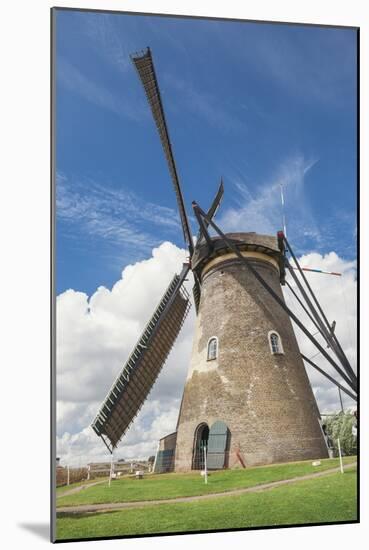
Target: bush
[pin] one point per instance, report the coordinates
(339, 427)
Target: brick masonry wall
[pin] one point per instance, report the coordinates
(266, 400)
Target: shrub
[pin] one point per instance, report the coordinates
(339, 427)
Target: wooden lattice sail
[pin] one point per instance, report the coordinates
(137, 377)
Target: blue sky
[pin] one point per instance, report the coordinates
(259, 104)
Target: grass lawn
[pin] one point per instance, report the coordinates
(328, 499)
(163, 486)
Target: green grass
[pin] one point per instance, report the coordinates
(327, 499)
(158, 487)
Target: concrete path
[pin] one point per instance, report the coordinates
(106, 507)
(78, 489)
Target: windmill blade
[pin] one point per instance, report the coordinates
(212, 211)
(201, 237)
(136, 379)
(146, 71)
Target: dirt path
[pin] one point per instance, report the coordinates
(88, 508)
(78, 489)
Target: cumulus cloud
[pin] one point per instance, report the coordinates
(94, 337)
(96, 334)
(337, 296)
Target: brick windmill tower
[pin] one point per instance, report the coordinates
(247, 396)
(247, 399)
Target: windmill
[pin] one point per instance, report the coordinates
(247, 397)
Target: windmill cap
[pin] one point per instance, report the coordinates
(251, 241)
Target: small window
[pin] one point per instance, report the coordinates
(213, 348)
(275, 343)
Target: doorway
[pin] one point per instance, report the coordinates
(200, 442)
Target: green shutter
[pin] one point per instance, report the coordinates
(217, 446)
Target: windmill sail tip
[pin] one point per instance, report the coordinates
(139, 54)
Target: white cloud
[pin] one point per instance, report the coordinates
(154, 420)
(96, 334)
(94, 337)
